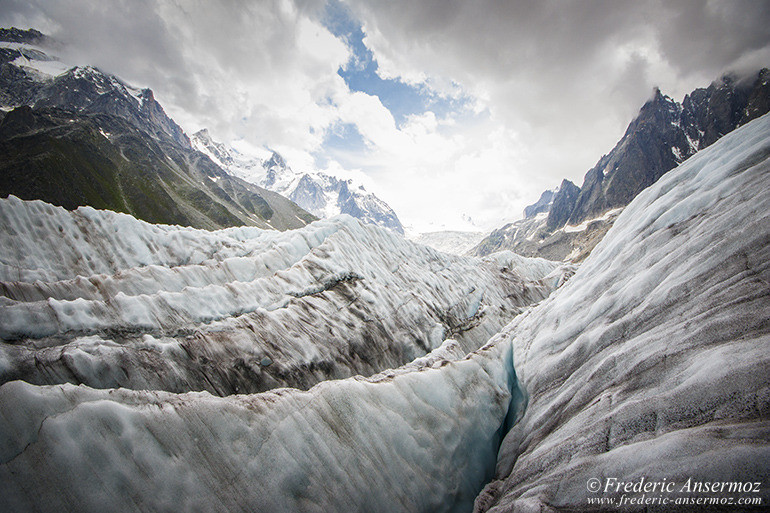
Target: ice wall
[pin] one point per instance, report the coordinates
(653, 361)
(421, 438)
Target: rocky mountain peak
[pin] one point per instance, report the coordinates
(663, 135)
(563, 204)
(25, 80)
(276, 160)
(203, 142)
(16, 35)
(203, 135)
(541, 205)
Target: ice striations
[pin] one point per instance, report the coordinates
(409, 440)
(653, 361)
(102, 299)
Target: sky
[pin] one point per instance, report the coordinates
(456, 113)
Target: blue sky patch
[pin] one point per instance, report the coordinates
(360, 73)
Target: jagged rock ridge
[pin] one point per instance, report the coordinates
(664, 134)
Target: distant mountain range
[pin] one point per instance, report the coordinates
(568, 222)
(74, 136)
(318, 193)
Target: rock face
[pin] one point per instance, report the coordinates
(15, 35)
(562, 205)
(541, 205)
(319, 193)
(78, 136)
(664, 134)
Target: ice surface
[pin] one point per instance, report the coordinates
(654, 359)
(456, 243)
(651, 361)
(334, 299)
(417, 439)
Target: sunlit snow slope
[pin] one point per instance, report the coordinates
(102, 299)
(654, 359)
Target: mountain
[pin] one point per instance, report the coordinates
(664, 134)
(541, 205)
(78, 136)
(649, 364)
(318, 193)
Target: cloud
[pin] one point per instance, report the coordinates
(565, 76)
(519, 94)
(262, 70)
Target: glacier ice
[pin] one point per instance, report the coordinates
(102, 299)
(652, 360)
(422, 438)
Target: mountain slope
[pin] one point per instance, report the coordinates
(663, 134)
(82, 137)
(319, 193)
(650, 362)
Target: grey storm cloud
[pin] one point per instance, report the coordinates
(537, 60)
(569, 48)
(189, 52)
(502, 36)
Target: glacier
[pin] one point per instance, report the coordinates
(651, 361)
(103, 299)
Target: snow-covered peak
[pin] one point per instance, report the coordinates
(202, 141)
(34, 61)
(276, 161)
(104, 83)
(319, 193)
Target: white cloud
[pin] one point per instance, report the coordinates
(259, 70)
(547, 86)
(561, 78)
